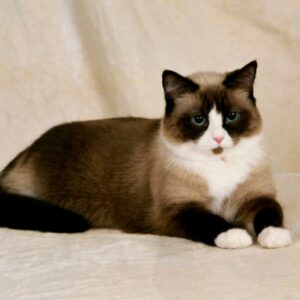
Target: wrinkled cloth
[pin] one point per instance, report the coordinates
(76, 60)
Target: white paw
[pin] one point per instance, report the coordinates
(274, 237)
(234, 238)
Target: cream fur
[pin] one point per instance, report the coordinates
(207, 78)
(21, 180)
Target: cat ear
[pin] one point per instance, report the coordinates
(242, 78)
(176, 85)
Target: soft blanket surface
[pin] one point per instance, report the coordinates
(105, 264)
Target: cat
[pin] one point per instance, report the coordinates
(199, 173)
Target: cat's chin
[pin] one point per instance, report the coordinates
(217, 150)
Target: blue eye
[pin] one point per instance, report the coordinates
(198, 120)
(232, 117)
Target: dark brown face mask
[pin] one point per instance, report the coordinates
(189, 102)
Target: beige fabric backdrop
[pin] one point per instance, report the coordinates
(76, 60)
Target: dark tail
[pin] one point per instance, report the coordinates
(22, 212)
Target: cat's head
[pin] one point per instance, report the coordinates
(211, 111)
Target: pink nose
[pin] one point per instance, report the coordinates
(219, 139)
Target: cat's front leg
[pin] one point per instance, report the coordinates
(191, 221)
(265, 215)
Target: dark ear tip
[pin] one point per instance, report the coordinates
(165, 75)
(253, 64)
(167, 72)
(168, 76)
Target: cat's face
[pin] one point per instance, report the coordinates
(211, 112)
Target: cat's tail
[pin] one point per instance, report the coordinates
(22, 212)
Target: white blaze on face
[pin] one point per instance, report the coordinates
(215, 135)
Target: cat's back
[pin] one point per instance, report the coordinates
(82, 153)
(96, 132)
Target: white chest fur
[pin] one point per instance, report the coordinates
(222, 172)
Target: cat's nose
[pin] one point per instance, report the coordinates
(219, 139)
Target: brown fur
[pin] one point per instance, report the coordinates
(81, 173)
(201, 103)
(117, 173)
(82, 170)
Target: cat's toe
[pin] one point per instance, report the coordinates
(274, 237)
(234, 238)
